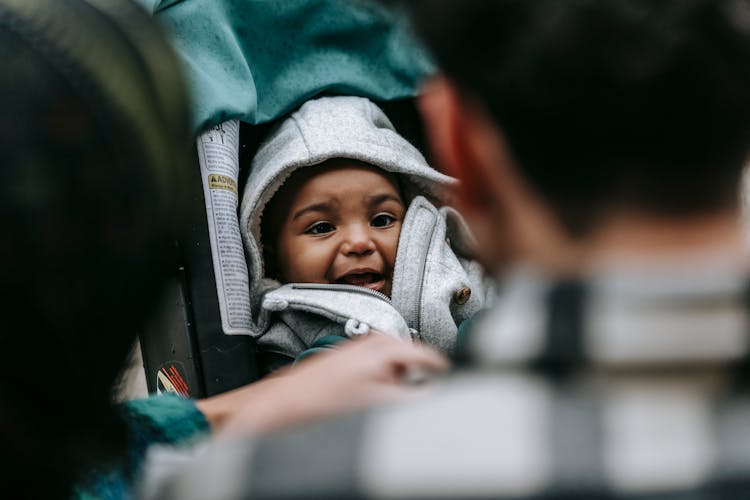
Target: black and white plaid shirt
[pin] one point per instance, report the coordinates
(630, 384)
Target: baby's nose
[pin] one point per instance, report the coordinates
(357, 241)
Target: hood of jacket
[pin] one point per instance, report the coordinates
(323, 129)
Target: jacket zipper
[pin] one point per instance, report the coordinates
(418, 318)
(337, 287)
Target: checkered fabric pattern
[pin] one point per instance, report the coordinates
(630, 385)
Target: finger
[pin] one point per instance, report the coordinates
(426, 358)
(413, 354)
(395, 393)
(382, 350)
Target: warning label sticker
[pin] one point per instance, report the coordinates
(218, 181)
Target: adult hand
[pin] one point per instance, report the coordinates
(367, 371)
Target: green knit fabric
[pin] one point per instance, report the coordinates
(167, 418)
(164, 419)
(256, 60)
(322, 344)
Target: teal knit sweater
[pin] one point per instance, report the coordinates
(164, 419)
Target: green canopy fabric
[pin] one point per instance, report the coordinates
(255, 60)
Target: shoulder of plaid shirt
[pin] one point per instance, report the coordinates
(630, 384)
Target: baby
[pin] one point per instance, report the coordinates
(343, 235)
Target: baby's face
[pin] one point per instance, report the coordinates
(341, 226)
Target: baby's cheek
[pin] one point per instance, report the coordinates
(311, 264)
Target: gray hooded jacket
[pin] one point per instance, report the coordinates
(436, 285)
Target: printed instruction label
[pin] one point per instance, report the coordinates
(218, 155)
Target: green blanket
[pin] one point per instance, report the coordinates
(258, 59)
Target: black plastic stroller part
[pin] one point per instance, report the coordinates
(185, 350)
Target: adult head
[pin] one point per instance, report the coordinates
(93, 134)
(562, 116)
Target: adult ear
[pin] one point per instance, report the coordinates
(461, 147)
(467, 144)
(445, 126)
(508, 217)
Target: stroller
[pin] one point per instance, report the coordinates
(201, 345)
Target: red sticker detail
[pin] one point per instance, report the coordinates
(170, 378)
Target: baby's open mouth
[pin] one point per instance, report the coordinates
(373, 281)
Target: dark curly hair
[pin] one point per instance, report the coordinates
(637, 103)
(93, 137)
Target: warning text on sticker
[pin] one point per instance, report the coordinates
(218, 181)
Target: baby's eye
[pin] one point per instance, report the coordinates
(382, 220)
(320, 228)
